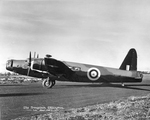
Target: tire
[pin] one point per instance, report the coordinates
(47, 83)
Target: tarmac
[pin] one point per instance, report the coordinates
(25, 99)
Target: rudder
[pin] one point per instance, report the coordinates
(130, 60)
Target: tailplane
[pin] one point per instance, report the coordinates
(130, 61)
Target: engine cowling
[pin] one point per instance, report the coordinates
(38, 65)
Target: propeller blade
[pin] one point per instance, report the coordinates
(30, 59)
(34, 54)
(28, 71)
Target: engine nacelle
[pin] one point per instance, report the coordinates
(38, 65)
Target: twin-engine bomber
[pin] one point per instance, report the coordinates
(50, 70)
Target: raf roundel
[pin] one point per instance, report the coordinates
(93, 74)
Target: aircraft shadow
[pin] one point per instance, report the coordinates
(12, 85)
(137, 85)
(127, 86)
(20, 94)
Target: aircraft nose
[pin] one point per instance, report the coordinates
(9, 65)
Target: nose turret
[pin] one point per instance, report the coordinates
(9, 65)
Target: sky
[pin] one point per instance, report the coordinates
(98, 32)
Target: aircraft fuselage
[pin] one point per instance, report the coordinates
(80, 74)
(53, 69)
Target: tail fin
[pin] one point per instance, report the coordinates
(130, 60)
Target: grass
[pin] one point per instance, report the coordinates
(132, 108)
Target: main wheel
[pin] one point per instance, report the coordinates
(47, 83)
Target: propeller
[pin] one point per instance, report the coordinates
(34, 54)
(30, 60)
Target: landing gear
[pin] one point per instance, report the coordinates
(48, 83)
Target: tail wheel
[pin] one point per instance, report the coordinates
(48, 83)
(122, 85)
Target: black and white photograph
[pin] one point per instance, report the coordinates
(74, 60)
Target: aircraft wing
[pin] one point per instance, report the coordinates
(57, 68)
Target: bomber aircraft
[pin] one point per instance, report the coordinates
(50, 70)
